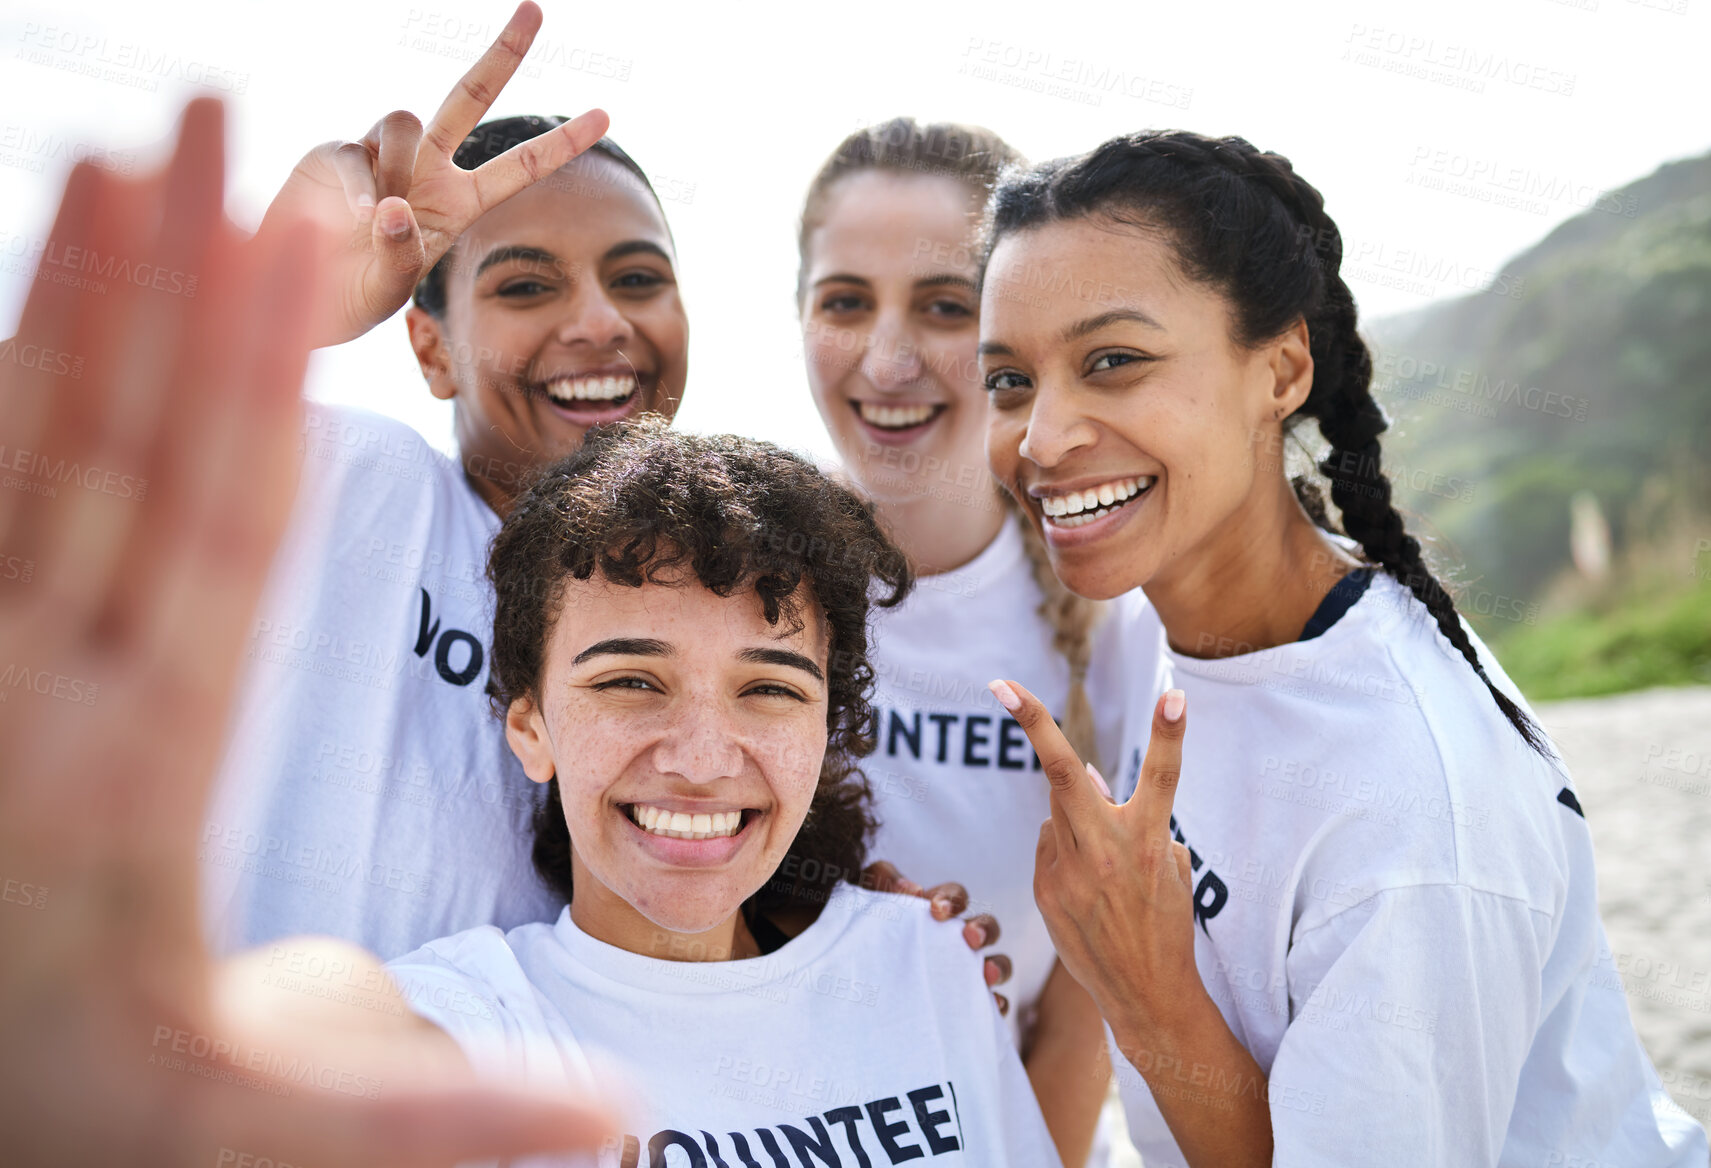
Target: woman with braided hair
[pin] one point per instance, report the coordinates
(888, 302)
(1364, 929)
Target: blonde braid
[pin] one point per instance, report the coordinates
(1072, 619)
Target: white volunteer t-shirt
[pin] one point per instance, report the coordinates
(367, 791)
(957, 788)
(1396, 912)
(868, 1039)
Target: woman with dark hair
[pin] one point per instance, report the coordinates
(123, 1041)
(367, 791)
(889, 309)
(681, 650)
(1364, 929)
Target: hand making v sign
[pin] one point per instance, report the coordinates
(1112, 884)
(1117, 895)
(394, 202)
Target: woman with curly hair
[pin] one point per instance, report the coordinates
(681, 653)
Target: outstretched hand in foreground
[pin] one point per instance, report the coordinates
(150, 422)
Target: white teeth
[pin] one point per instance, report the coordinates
(573, 389)
(682, 825)
(1073, 510)
(894, 417)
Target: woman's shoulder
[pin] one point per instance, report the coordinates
(897, 931)
(484, 954)
(372, 457)
(476, 986)
(1453, 704)
(1458, 772)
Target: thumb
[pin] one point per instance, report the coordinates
(398, 243)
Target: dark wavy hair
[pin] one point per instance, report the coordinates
(488, 141)
(1241, 221)
(640, 503)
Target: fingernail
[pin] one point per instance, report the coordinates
(1174, 701)
(991, 972)
(395, 223)
(1104, 788)
(941, 907)
(364, 207)
(1007, 697)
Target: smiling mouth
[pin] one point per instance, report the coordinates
(591, 393)
(688, 825)
(1078, 508)
(897, 419)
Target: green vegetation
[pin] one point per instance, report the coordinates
(1637, 646)
(1593, 374)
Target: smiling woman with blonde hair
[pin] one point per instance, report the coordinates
(889, 248)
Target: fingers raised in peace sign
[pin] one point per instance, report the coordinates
(395, 199)
(1113, 886)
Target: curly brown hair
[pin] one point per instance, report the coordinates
(641, 503)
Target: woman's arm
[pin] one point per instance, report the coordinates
(1210, 1091)
(1068, 1064)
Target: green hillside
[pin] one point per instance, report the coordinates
(1594, 375)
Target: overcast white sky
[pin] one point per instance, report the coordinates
(1446, 136)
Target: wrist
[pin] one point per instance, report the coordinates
(1162, 1023)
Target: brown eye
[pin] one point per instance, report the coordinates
(641, 279)
(1106, 361)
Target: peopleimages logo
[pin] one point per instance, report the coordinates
(181, 1050)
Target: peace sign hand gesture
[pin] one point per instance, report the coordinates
(394, 202)
(1116, 893)
(1113, 886)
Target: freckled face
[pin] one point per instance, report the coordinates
(889, 329)
(1122, 413)
(687, 736)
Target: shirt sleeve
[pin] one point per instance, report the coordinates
(1411, 1017)
(472, 987)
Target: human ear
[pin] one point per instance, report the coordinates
(1292, 371)
(433, 357)
(526, 731)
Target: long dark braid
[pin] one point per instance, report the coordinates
(1241, 220)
